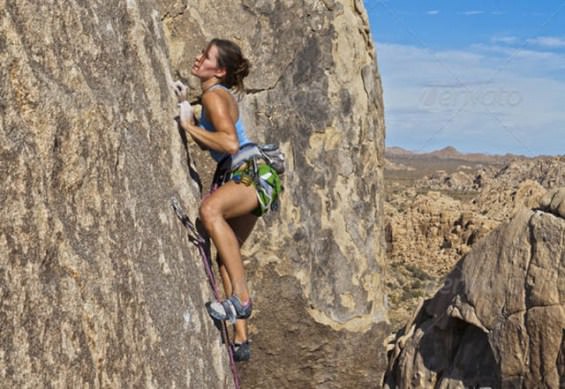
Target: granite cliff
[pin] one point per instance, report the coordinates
(100, 286)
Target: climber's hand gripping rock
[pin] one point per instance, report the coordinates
(186, 110)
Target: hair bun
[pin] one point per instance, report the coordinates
(236, 65)
(243, 68)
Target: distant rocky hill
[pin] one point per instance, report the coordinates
(449, 152)
(435, 213)
(397, 151)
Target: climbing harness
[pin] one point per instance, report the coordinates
(270, 153)
(197, 239)
(274, 157)
(260, 165)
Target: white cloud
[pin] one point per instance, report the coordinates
(540, 42)
(472, 13)
(433, 12)
(523, 61)
(550, 42)
(487, 98)
(506, 40)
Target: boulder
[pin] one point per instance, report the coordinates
(498, 320)
(554, 202)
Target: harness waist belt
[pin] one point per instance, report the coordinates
(245, 153)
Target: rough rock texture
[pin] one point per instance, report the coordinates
(519, 183)
(554, 202)
(498, 320)
(425, 237)
(427, 231)
(433, 222)
(457, 181)
(99, 286)
(314, 89)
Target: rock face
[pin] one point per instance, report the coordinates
(316, 267)
(498, 320)
(99, 284)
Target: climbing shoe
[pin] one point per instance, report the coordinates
(230, 309)
(242, 351)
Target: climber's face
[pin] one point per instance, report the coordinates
(206, 64)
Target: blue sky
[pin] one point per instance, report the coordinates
(483, 76)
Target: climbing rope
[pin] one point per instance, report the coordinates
(200, 243)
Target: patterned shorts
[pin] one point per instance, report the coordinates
(266, 181)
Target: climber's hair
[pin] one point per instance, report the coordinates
(231, 58)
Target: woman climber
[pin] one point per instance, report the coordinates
(244, 185)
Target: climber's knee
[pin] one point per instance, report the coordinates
(209, 213)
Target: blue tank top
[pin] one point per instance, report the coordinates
(208, 126)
